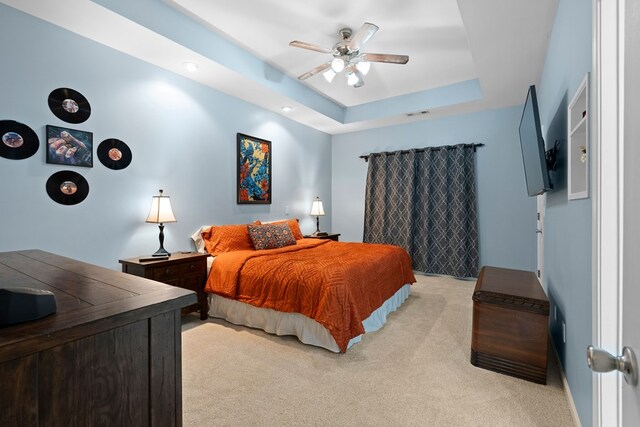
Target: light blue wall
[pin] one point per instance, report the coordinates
(506, 216)
(567, 242)
(182, 135)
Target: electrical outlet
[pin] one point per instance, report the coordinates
(564, 332)
(286, 210)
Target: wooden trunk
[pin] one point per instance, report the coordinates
(510, 323)
(110, 355)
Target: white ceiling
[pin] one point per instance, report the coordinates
(501, 44)
(431, 32)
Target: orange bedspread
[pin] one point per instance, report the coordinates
(337, 284)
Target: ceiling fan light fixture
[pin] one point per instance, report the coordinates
(363, 67)
(329, 75)
(337, 65)
(352, 79)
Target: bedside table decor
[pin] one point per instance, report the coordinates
(159, 214)
(318, 211)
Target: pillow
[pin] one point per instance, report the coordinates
(271, 236)
(293, 225)
(197, 239)
(227, 238)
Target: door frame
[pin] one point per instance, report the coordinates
(606, 162)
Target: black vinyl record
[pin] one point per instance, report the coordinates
(17, 140)
(67, 187)
(114, 154)
(69, 105)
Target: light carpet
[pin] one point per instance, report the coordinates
(415, 371)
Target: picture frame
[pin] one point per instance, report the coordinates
(254, 170)
(69, 147)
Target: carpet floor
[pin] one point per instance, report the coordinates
(415, 371)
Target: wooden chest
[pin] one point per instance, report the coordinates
(510, 322)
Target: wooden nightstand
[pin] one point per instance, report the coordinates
(184, 270)
(330, 236)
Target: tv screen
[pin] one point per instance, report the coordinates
(532, 144)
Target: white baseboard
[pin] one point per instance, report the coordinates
(565, 384)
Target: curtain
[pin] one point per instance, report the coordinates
(424, 200)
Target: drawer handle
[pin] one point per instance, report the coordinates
(192, 266)
(166, 271)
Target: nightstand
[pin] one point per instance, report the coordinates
(184, 270)
(330, 236)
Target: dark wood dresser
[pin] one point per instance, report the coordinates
(111, 355)
(510, 323)
(184, 270)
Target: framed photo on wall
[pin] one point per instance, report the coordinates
(254, 170)
(69, 147)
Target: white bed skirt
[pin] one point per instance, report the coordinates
(307, 330)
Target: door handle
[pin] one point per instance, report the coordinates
(600, 360)
(539, 231)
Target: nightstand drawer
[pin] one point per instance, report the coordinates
(184, 270)
(172, 272)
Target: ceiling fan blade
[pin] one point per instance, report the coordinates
(362, 36)
(318, 69)
(309, 46)
(385, 57)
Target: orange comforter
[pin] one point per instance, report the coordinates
(337, 284)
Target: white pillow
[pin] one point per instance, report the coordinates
(197, 238)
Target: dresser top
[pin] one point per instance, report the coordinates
(90, 299)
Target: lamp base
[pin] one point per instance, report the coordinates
(162, 252)
(319, 233)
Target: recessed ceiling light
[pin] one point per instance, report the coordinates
(287, 109)
(190, 66)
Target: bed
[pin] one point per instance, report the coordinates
(326, 293)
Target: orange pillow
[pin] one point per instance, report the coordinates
(293, 225)
(226, 238)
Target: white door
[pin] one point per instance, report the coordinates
(617, 203)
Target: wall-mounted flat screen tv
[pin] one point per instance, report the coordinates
(533, 151)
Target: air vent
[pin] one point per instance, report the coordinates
(418, 113)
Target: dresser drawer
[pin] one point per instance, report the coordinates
(172, 272)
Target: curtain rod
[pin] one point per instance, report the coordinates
(417, 150)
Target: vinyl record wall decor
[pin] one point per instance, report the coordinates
(114, 154)
(19, 141)
(69, 105)
(67, 187)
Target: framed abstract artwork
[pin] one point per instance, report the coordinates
(69, 147)
(254, 170)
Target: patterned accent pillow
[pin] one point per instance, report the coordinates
(293, 225)
(271, 236)
(227, 238)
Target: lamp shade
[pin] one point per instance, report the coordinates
(160, 211)
(316, 207)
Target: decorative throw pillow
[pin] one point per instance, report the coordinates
(271, 236)
(227, 238)
(293, 225)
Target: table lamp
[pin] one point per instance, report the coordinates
(159, 214)
(317, 211)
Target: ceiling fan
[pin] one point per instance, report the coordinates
(347, 56)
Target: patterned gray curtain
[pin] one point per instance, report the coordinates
(425, 201)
